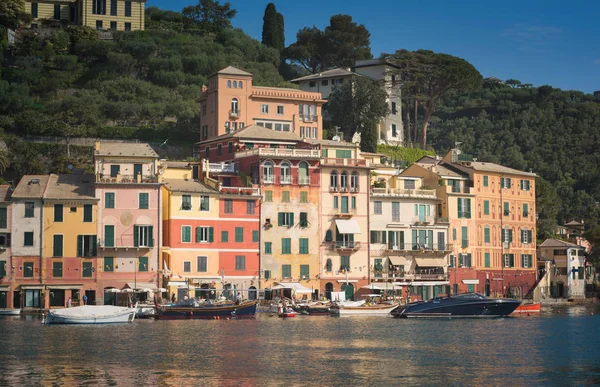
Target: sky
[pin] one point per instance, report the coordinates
(542, 42)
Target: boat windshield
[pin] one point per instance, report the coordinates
(474, 296)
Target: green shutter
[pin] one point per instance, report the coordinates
(486, 235)
(198, 234)
(486, 207)
(255, 237)
(87, 213)
(239, 234)
(344, 204)
(485, 181)
(80, 245)
(373, 236)
(57, 246)
(510, 235)
(211, 234)
(135, 236)
(291, 219)
(109, 200)
(58, 214)
(454, 234)
(303, 245)
(506, 209)
(459, 201)
(143, 264)
(94, 246)
(430, 239)
(414, 238)
(465, 237)
(268, 248)
(303, 219)
(512, 260)
(530, 236)
(401, 244)
(143, 199)
(390, 240)
(224, 236)
(451, 260)
(109, 235)
(280, 218)
(525, 210)
(522, 255)
(487, 259)
(335, 202)
(468, 210)
(4, 217)
(109, 264)
(469, 264)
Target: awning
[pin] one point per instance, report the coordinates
(160, 290)
(422, 283)
(431, 262)
(381, 287)
(33, 287)
(64, 287)
(344, 281)
(142, 285)
(111, 290)
(178, 284)
(4, 288)
(347, 226)
(470, 281)
(295, 286)
(397, 261)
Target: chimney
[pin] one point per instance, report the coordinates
(97, 146)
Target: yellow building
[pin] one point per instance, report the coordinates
(115, 15)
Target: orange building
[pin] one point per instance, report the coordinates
(231, 102)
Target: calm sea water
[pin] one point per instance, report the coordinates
(552, 349)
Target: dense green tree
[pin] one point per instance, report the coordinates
(209, 16)
(357, 106)
(12, 12)
(272, 31)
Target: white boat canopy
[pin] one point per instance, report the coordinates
(295, 286)
(142, 286)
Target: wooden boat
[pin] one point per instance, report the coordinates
(534, 307)
(286, 312)
(371, 307)
(90, 314)
(207, 310)
(10, 312)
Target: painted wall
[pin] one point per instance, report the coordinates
(136, 19)
(21, 224)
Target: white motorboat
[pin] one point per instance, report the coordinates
(10, 312)
(90, 314)
(367, 307)
(145, 311)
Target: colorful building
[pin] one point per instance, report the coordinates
(128, 184)
(211, 232)
(6, 264)
(562, 268)
(230, 102)
(116, 15)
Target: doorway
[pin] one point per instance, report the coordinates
(328, 290)
(3, 300)
(91, 297)
(252, 294)
(349, 290)
(487, 287)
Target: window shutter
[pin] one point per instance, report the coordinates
(80, 245)
(523, 236)
(280, 218)
(530, 236)
(509, 182)
(416, 209)
(390, 240)
(135, 236)
(512, 260)
(451, 260)
(415, 239)
(460, 208)
(94, 246)
(430, 239)
(150, 236)
(469, 260)
(211, 234)
(522, 256)
(291, 219)
(198, 234)
(328, 236)
(510, 235)
(373, 236)
(224, 236)
(468, 208)
(401, 244)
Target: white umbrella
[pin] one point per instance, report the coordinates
(373, 287)
(112, 290)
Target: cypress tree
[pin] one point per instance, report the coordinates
(270, 27)
(280, 43)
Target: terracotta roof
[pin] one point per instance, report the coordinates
(442, 169)
(491, 167)
(426, 160)
(70, 187)
(256, 132)
(574, 223)
(191, 186)
(127, 149)
(333, 73)
(230, 70)
(558, 243)
(5, 193)
(177, 164)
(31, 187)
(282, 88)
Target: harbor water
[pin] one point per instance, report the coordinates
(559, 347)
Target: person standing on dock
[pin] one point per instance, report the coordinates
(85, 299)
(69, 302)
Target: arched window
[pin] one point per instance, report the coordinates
(344, 181)
(234, 106)
(268, 172)
(229, 84)
(285, 172)
(333, 181)
(354, 182)
(235, 84)
(329, 265)
(303, 172)
(328, 236)
(240, 85)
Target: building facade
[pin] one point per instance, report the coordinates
(6, 263)
(562, 268)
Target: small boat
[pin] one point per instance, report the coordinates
(461, 305)
(533, 307)
(370, 306)
(318, 309)
(90, 314)
(10, 312)
(286, 312)
(145, 311)
(207, 310)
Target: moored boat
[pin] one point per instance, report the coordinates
(207, 310)
(534, 307)
(461, 305)
(286, 312)
(368, 307)
(10, 312)
(90, 314)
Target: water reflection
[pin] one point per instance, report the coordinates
(548, 349)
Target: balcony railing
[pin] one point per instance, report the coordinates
(234, 113)
(124, 244)
(285, 180)
(345, 162)
(397, 192)
(419, 247)
(344, 212)
(303, 181)
(240, 191)
(127, 179)
(308, 118)
(281, 152)
(345, 245)
(222, 167)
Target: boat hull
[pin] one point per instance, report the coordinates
(318, 311)
(184, 312)
(92, 315)
(382, 310)
(459, 307)
(10, 312)
(529, 308)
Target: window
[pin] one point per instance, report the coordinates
(312, 84)
(128, 8)
(507, 236)
(98, 24)
(279, 109)
(354, 182)
(345, 262)
(344, 181)
(239, 234)
(485, 181)
(285, 171)
(219, 150)
(28, 269)
(115, 170)
(113, 7)
(28, 238)
(526, 261)
(268, 172)
(204, 234)
(58, 213)
(109, 200)
(285, 196)
(57, 11)
(57, 269)
(464, 208)
(207, 152)
(486, 207)
(286, 271)
(235, 84)
(113, 25)
(486, 259)
(394, 131)
(378, 236)
(264, 109)
(353, 202)
(286, 245)
(240, 262)
(343, 154)
(240, 85)
(87, 269)
(143, 264)
(333, 181)
(486, 235)
(99, 7)
(526, 236)
(506, 209)
(143, 236)
(304, 271)
(109, 235)
(344, 206)
(303, 197)
(202, 264)
(268, 248)
(465, 237)
(525, 185)
(525, 210)
(377, 208)
(250, 207)
(255, 236)
(303, 245)
(509, 260)
(29, 209)
(335, 202)
(395, 211)
(394, 111)
(109, 264)
(5, 239)
(186, 202)
(228, 206)
(34, 10)
(187, 266)
(304, 219)
(268, 196)
(57, 246)
(286, 219)
(409, 184)
(453, 234)
(230, 147)
(505, 182)
(86, 246)
(204, 203)
(224, 236)
(87, 213)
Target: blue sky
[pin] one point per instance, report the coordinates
(553, 42)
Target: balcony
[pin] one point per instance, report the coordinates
(127, 179)
(455, 189)
(124, 244)
(234, 113)
(281, 152)
(303, 181)
(406, 193)
(340, 162)
(285, 180)
(345, 246)
(308, 118)
(222, 167)
(414, 248)
(240, 191)
(344, 213)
